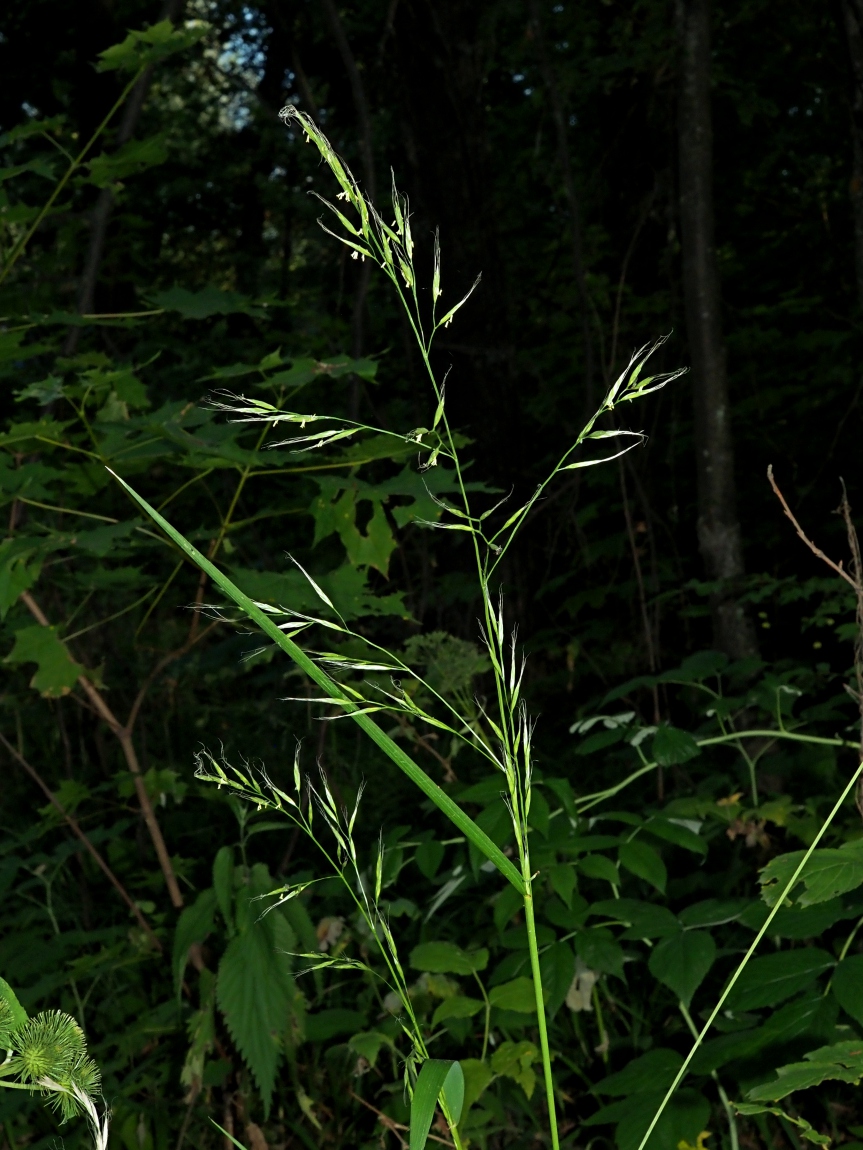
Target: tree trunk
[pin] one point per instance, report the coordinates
(852, 12)
(718, 527)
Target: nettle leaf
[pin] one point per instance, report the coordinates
(681, 962)
(447, 958)
(828, 873)
(57, 672)
(766, 981)
(223, 884)
(255, 992)
(672, 746)
(643, 861)
(847, 986)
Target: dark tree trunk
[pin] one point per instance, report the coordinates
(718, 526)
(852, 13)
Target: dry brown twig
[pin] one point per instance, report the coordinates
(76, 829)
(123, 733)
(854, 578)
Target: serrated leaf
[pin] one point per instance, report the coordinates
(514, 1060)
(649, 1072)
(12, 1013)
(672, 746)
(828, 873)
(682, 961)
(842, 1062)
(255, 993)
(807, 1131)
(150, 45)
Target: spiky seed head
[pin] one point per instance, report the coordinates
(48, 1045)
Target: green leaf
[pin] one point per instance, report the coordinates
(223, 885)
(643, 919)
(12, 1014)
(56, 670)
(193, 926)
(434, 1073)
(477, 1077)
(810, 1134)
(150, 45)
(255, 993)
(597, 949)
(847, 986)
(650, 1072)
(676, 833)
(766, 981)
(518, 995)
(447, 958)
(326, 1024)
(681, 962)
(557, 970)
(514, 1060)
(563, 881)
(368, 1045)
(828, 873)
(428, 858)
(842, 1062)
(453, 1091)
(202, 304)
(643, 861)
(336, 510)
(598, 866)
(20, 565)
(672, 746)
(783, 1026)
(332, 690)
(458, 1007)
(133, 157)
(683, 1119)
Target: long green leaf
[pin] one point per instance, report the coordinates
(436, 1075)
(415, 773)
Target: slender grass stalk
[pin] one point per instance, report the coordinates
(504, 738)
(777, 906)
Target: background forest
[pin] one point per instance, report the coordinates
(617, 172)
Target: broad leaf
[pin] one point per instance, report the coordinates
(672, 746)
(193, 926)
(514, 1060)
(842, 1062)
(56, 671)
(828, 873)
(447, 958)
(847, 986)
(643, 861)
(769, 980)
(434, 1077)
(518, 995)
(681, 962)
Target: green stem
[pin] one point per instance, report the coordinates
(777, 906)
(723, 1097)
(530, 923)
(334, 690)
(18, 249)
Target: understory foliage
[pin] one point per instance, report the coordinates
(611, 817)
